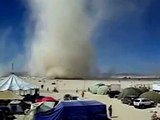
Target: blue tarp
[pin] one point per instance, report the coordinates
(75, 110)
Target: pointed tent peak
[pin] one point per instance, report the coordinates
(13, 82)
(14, 77)
(13, 74)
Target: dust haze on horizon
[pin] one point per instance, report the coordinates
(60, 46)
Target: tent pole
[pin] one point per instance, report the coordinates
(12, 68)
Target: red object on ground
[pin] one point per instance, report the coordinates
(46, 99)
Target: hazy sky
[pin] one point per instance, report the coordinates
(126, 38)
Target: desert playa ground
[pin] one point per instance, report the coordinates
(120, 111)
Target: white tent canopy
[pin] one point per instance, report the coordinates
(15, 83)
(156, 87)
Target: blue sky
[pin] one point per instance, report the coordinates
(125, 39)
(130, 40)
(12, 33)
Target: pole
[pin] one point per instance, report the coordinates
(84, 85)
(12, 68)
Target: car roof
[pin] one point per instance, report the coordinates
(131, 96)
(142, 99)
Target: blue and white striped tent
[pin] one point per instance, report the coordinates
(13, 83)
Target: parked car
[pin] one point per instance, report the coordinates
(129, 99)
(143, 103)
(6, 114)
(70, 97)
(32, 98)
(113, 94)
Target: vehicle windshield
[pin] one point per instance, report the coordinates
(145, 100)
(137, 100)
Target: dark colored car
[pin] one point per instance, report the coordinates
(6, 114)
(32, 98)
(129, 99)
(70, 97)
(113, 94)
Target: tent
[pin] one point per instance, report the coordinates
(156, 87)
(130, 91)
(75, 110)
(94, 88)
(143, 89)
(102, 90)
(45, 106)
(151, 95)
(46, 99)
(15, 83)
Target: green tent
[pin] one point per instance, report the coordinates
(99, 84)
(143, 89)
(130, 91)
(45, 106)
(94, 88)
(151, 95)
(102, 90)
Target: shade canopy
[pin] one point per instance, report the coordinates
(15, 83)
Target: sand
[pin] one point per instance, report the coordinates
(120, 111)
(84, 84)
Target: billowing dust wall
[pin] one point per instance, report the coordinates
(60, 45)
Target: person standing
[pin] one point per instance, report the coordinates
(42, 86)
(76, 90)
(82, 94)
(110, 110)
(47, 89)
